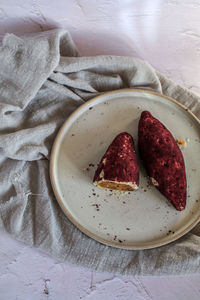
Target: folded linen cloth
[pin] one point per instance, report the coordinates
(42, 80)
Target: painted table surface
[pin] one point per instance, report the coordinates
(167, 35)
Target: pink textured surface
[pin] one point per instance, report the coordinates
(163, 159)
(119, 163)
(167, 35)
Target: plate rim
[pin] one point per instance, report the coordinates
(149, 245)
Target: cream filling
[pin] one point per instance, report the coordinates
(104, 161)
(155, 182)
(101, 175)
(132, 184)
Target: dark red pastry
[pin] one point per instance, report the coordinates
(118, 168)
(163, 159)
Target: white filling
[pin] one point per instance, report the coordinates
(104, 161)
(101, 175)
(155, 182)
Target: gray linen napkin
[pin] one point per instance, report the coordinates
(41, 82)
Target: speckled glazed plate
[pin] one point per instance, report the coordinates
(137, 220)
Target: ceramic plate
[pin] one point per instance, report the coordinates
(136, 220)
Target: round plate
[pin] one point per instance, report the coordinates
(135, 220)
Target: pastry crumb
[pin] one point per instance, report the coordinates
(181, 142)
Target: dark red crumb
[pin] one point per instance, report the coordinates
(163, 159)
(96, 205)
(91, 165)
